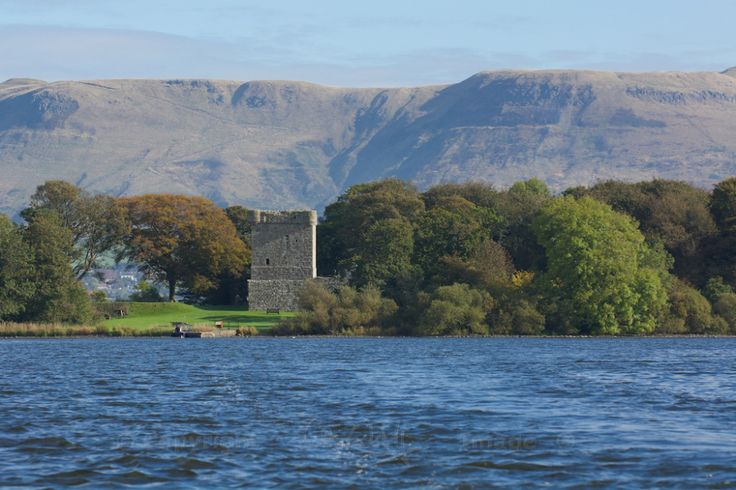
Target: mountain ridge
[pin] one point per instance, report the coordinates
(286, 144)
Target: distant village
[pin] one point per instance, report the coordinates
(117, 282)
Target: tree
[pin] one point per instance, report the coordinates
(452, 227)
(596, 280)
(455, 310)
(725, 307)
(481, 194)
(97, 222)
(59, 296)
(516, 209)
(715, 287)
(239, 217)
(690, 311)
(16, 270)
(232, 287)
(343, 231)
(488, 267)
(385, 252)
(146, 292)
(723, 204)
(182, 240)
(674, 213)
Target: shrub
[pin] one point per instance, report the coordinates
(690, 311)
(455, 310)
(246, 331)
(725, 307)
(345, 311)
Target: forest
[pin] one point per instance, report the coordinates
(615, 258)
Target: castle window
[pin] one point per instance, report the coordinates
(268, 261)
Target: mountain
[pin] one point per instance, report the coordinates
(280, 144)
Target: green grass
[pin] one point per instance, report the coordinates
(147, 315)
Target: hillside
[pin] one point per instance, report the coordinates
(292, 144)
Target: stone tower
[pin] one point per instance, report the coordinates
(284, 247)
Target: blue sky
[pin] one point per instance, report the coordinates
(350, 43)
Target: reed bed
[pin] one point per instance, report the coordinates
(61, 330)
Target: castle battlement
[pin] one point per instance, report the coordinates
(258, 216)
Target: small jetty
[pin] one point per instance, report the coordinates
(185, 330)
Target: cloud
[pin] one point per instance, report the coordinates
(72, 53)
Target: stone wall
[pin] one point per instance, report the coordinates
(283, 293)
(275, 293)
(284, 256)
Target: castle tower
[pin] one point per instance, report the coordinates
(284, 247)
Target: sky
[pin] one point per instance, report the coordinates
(376, 43)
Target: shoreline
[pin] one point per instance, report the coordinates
(293, 337)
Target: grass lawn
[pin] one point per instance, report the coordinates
(146, 315)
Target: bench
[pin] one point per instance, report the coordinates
(275, 311)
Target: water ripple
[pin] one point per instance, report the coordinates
(368, 413)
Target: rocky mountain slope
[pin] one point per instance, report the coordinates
(292, 144)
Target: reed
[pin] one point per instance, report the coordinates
(60, 330)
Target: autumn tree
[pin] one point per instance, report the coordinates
(97, 222)
(182, 240)
(232, 285)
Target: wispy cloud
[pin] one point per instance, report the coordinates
(62, 53)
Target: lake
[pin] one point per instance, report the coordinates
(368, 413)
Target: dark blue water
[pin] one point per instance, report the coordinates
(368, 413)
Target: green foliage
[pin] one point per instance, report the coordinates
(673, 213)
(385, 251)
(488, 267)
(480, 194)
(517, 317)
(16, 271)
(723, 204)
(715, 287)
(59, 296)
(238, 215)
(595, 281)
(517, 208)
(98, 297)
(145, 292)
(343, 232)
(97, 222)
(455, 310)
(533, 186)
(452, 227)
(725, 307)
(689, 312)
(346, 311)
(442, 262)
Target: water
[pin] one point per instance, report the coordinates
(368, 413)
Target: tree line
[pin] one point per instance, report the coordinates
(462, 259)
(456, 259)
(187, 243)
